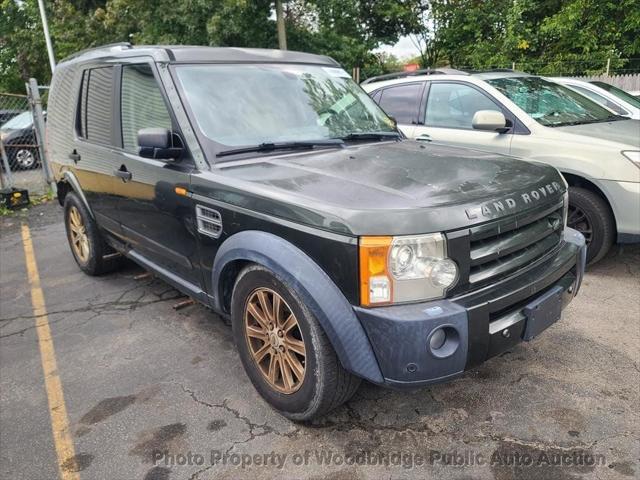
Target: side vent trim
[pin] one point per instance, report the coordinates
(209, 221)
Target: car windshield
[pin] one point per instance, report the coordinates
(240, 105)
(551, 104)
(18, 122)
(621, 94)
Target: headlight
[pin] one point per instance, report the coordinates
(633, 155)
(404, 269)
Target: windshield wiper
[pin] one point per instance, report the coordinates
(370, 136)
(610, 118)
(271, 146)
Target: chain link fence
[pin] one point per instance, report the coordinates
(22, 120)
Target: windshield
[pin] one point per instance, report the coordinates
(551, 104)
(621, 94)
(18, 122)
(240, 105)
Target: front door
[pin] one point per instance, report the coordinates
(449, 111)
(157, 221)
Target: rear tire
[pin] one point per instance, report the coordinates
(87, 245)
(322, 384)
(590, 214)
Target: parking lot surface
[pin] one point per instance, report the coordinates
(156, 393)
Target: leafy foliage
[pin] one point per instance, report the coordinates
(546, 36)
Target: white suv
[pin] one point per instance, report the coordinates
(513, 113)
(613, 98)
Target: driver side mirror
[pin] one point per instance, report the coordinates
(489, 120)
(158, 143)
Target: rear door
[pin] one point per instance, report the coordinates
(157, 222)
(450, 107)
(402, 102)
(94, 144)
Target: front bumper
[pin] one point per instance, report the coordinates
(481, 324)
(625, 202)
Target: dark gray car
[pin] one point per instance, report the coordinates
(268, 186)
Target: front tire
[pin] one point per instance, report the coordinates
(87, 245)
(591, 216)
(285, 352)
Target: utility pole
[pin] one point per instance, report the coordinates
(282, 35)
(47, 37)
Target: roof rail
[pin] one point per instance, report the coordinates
(496, 70)
(123, 45)
(424, 71)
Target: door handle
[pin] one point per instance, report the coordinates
(423, 138)
(75, 156)
(123, 173)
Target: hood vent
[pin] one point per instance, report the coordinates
(209, 221)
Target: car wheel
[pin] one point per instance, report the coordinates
(25, 159)
(591, 216)
(285, 352)
(92, 254)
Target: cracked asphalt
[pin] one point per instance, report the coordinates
(143, 381)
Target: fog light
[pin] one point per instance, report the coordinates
(437, 339)
(443, 341)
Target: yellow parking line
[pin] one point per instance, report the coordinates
(53, 385)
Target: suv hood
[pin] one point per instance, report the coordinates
(389, 188)
(625, 132)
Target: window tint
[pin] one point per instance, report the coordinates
(600, 99)
(402, 102)
(82, 107)
(142, 105)
(453, 105)
(99, 107)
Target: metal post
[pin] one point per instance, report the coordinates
(608, 65)
(47, 37)
(7, 177)
(38, 123)
(282, 34)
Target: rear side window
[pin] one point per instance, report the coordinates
(142, 105)
(96, 105)
(402, 102)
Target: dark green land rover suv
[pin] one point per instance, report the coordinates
(268, 186)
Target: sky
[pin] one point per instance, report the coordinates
(403, 49)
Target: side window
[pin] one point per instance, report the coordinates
(82, 106)
(600, 99)
(142, 105)
(376, 96)
(402, 102)
(453, 105)
(99, 105)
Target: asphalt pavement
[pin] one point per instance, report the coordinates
(157, 393)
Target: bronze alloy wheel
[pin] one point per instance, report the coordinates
(275, 340)
(79, 238)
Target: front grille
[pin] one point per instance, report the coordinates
(491, 251)
(501, 248)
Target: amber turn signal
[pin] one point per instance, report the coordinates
(375, 281)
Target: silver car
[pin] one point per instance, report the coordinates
(513, 113)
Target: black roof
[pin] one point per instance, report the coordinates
(195, 54)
